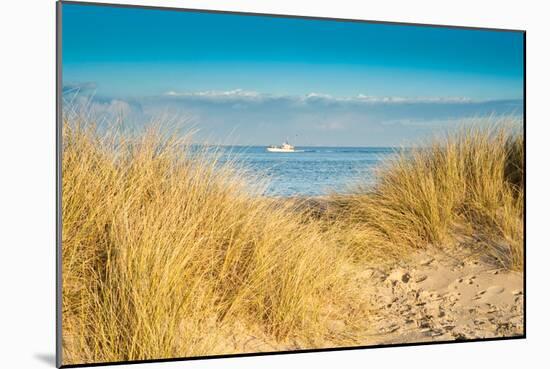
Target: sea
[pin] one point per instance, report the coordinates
(313, 171)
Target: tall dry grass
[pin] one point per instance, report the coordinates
(165, 249)
(467, 187)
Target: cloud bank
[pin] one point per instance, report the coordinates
(245, 117)
(257, 97)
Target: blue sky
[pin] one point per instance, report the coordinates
(234, 73)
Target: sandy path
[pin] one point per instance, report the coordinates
(440, 298)
(436, 297)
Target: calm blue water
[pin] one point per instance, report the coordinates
(314, 172)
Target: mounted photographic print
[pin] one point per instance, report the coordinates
(233, 184)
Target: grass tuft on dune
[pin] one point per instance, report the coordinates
(163, 247)
(466, 188)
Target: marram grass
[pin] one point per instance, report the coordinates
(466, 189)
(162, 247)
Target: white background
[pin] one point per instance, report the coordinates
(27, 177)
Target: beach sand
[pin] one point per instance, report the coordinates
(440, 297)
(435, 297)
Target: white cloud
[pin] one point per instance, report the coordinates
(398, 99)
(313, 95)
(255, 96)
(236, 94)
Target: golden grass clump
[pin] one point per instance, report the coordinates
(465, 188)
(164, 247)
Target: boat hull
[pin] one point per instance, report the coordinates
(276, 149)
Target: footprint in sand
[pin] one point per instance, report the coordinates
(488, 293)
(495, 290)
(421, 278)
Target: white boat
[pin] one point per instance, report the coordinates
(285, 147)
